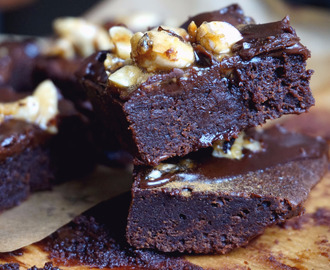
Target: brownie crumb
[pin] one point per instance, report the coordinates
(321, 217)
(9, 266)
(48, 266)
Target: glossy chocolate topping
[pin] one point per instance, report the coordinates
(15, 136)
(265, 38)
(279, 147)
(232, 14)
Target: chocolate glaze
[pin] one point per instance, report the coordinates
(279, 147)
(276, 38)
(232, 14)
(15, 136)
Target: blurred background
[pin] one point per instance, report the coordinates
(311, 18)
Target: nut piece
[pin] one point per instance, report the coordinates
(217, 37)
(174, 30)
(161, 50)
(84, 36)
(128, 76)
(40, 108)
(192, 30)
(121, 37)
(236, 150)
(112, 63)
(61, 47)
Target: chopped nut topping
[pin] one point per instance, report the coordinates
(128, 76)
(236, 149)
(192, 30)
(174, 30)
(63, 48)
(112, 63)
(84, 36)
(39, 108)
(218, 37)
(161, 50)
(121, 37)
(164, 168)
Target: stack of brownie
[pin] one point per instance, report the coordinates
(185, 101)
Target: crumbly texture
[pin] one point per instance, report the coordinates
(207, 209)
(97, 240)
(16, 266)
(174, 113)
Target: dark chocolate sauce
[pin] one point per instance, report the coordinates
(279, 147)
(269, 38)
(232, 14)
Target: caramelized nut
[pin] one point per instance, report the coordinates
(62, 47)
(85, 37)
(161, 50)
(112, 62)
(121, 37)
(217, 37)
(236, 150)
(174, 30)
(39, 108)
(192, 30)
(128, 76)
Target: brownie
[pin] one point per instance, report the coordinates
(32, 159)
(205, 204)
(181, 110)
(24, 161)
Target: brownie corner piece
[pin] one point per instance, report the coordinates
(220, 204)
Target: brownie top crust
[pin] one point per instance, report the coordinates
(284, 156)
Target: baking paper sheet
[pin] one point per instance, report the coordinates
(44, 212)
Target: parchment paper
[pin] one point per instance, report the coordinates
(45, 212)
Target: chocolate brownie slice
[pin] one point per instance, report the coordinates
(205, 204)
(31, 157)
(159, 112)
(24, 161)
